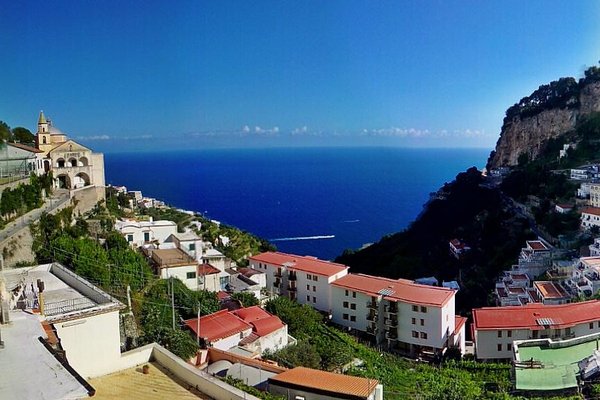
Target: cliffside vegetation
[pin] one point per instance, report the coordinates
(464, 209)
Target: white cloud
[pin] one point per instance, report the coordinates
(246, 129)
(96, 137)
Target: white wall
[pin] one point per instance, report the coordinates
(318, 290)
(181, 274)
(338, 297)
(230, 341)
(92, 344)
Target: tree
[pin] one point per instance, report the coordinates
(5, 133)
(247, 299)
(23, 135)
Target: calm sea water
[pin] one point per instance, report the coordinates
(339, 197)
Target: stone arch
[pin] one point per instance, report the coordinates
(81, 180)
(60, 163)
(83, 161)
(64, 182)
(72, 162)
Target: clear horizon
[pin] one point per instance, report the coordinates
(194, 75)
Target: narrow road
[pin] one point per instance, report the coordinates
(50, 204)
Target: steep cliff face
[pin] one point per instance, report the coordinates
(526, 134)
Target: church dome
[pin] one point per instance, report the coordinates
(55, 131)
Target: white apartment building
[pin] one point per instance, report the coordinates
(496, 328)
(302, 278)
(404, 315)
(595, 248)
(590, 217)
(187, 241)
(594, 194)
(139, 233)
(535, 258)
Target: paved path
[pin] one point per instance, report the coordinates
(51, 204)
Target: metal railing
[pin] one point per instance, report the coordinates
(66, 306)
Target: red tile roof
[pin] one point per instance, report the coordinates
(591, 210)
(537, 245)
(397, 290)
(326, 381)
(300, 263)
(25, 147)
(459, 322)
(207, 269)
(219, 325)
(549, 290)
(262, 322)
(526, 317)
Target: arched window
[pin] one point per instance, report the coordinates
(44, 140)
(72, 162)
(83, 161)
(60, 163)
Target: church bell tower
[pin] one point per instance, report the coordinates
(43, 132)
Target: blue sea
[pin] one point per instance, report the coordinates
(308, 201)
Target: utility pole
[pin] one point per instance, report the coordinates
(173, 302)
(198, 325)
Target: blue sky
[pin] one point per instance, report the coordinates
(187, 74)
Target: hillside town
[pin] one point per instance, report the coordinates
(543, 320)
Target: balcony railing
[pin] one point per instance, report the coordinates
(391, 334)
(372, 304)
(372, 316)
(278, 274)
(372, 330)
(292, 287)
(391, 322)
(292, 277)
(391, 308)
(277, 283)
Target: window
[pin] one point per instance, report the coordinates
(423, 335)
(308, 276)
(415, 308)
(353, 306)
(314, 299)
(509, 333)
(509, 346)
(346, 293)
(423, 309)
(345, 304)
(314, 288)
(591, 325)
(413, 320)
(415, 334)
(192, 246)
(146, 236)
(190, 275)
(422, 322)
(345, 316)
(499, 347)
(354, 294)
(499, 333)
(307, 298)
(353, 318)
(130, 238)
(315, 278)
(308, 287)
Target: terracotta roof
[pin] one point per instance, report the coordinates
(591, 210)
(219, 325)
(519, 277)
(247, 272)
(25, 147)
(537, 245)
(326, 381)
(527, 316)
(549, 290)
(300, 263)
(262, 322)
(223, 295)
(459, 322)
(398, 290)
(207, 269)
(534, 295)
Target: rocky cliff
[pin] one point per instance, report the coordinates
(549, 112)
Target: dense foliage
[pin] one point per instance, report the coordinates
(18, 134)
(23, 198)
(464, 209)
(246, 299)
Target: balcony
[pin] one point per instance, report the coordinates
(393, 322)
(391, 334)
(292, 276)
(372, 329)
(391, 308)
(372, 316)
(277, 283)
(372, 304)
(278, 274)
(292, 286)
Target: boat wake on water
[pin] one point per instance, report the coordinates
(288, 239)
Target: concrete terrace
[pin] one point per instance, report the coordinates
(555, 364)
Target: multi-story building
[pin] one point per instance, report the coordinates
(496, 328)
(302, 278)
(551, 292)
(404, 315)
(138, 233)
(594, 194)
(590, 217)
(535, 258)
